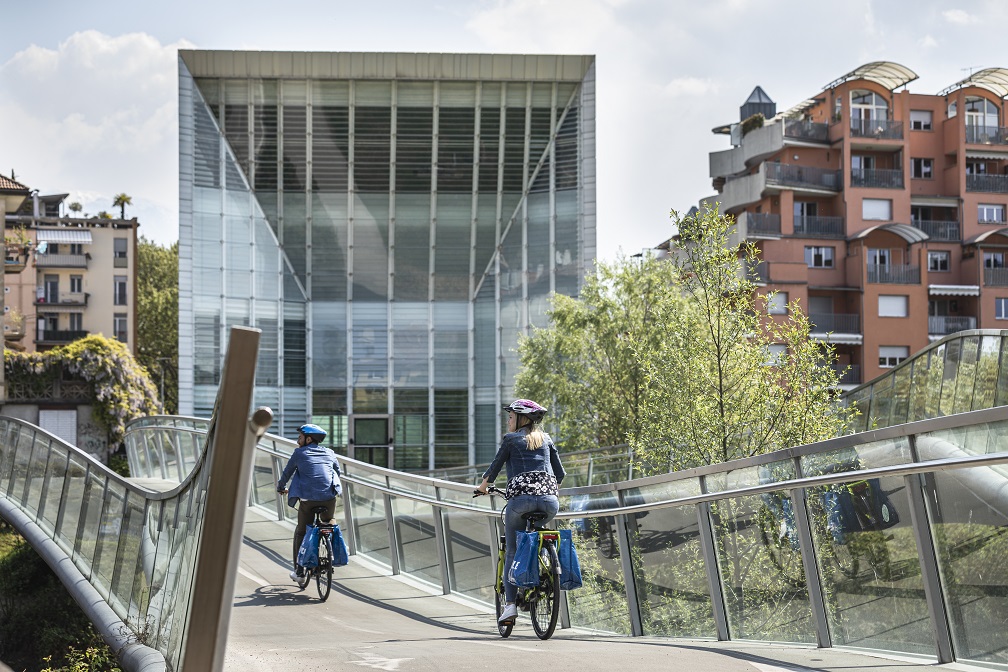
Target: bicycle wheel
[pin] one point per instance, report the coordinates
(503, 628)
(303, 580)
(545, 604)
(323, 573)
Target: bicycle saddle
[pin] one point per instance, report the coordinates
(535, 516)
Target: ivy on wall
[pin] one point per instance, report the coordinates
(120, 388)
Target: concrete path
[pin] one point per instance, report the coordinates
(380, 622)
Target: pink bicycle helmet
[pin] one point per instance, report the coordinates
(534, 411)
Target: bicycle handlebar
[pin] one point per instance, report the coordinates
(491, 490)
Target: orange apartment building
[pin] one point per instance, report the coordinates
(882, 211)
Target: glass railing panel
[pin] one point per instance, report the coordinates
(287, 512)
(109, 534)
(22, 461)
(672, 588)
(870, 569)
(601, 602)
(987, 373)
(263, 483)
(424, 489)
(363, 473)
(901, 395)
(141, 464)
(155, 468)
(170, 460)
(55, 476)
(73, 503)
(91, 511)
(968, 510)
(418, 549)
(1001, 396)
(371, 531)
(936, 375)
(160, 603)
(966, 376)
(882, 403)
(471, 560)
(659, 492)
(918, 389)
(765, 593)
(946, 403)
(35, 476)
(172, 634)
(124, 572)
(772, 472)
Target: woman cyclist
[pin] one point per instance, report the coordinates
(534, 473)
(315, 471)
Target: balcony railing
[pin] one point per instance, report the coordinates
(63, 299)
(61, 261)
(806, 130)
(978, 135)
(881, 129)
(849, 375)
(988, 184)
(878, 178)
(894, 274)
(996, 277)
(59, 335)
(819, 226)
(803, 176)
(759, 273)
(762, 222)
(836, 323)
(943, 325)
(938, 229)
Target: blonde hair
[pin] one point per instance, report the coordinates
(535, 437)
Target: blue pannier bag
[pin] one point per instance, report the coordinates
(340, 554)
(308, 553)
(570, 568)
(524, 570)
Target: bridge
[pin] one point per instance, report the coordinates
(878, 549)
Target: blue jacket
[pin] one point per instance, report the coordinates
(316, 475)
(514, 453)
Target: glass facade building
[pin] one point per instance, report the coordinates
(392, 223)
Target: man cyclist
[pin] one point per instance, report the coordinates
(315, 471)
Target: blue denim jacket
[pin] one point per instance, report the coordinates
(315, 472)
(514, 453)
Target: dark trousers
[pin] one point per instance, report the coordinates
(306, 517)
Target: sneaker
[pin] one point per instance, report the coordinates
(510, 613)
(297, 574)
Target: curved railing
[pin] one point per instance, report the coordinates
(890, 540)
(965, 371)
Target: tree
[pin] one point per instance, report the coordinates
(121, 201)
(157, 317)
(75, 208)
(754, 382)
(103, 214)
(589, 364)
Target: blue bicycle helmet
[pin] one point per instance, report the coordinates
(313, 432)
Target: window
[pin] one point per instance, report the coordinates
(1001, 309)
(76, 321)
(119, 252)
(859, 163)
(119, 290)
(119, 328)
(876, 209)
(976, 168)
(994, 260)
(777, 353)
(952, 109)
(879, 256)
(819, 257)
(777, 303)
(805, 209)
(868, 105)
(76, 248)
(76, 284)
(921, 168)
(981, 113)
(938, 261)
(893, 306)
(891, 355)
(988, 213)
(920, 120)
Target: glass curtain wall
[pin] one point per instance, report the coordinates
(393, 239)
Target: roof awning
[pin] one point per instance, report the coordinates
(981, 237)
(885, 73)
(936, 201)
(994, 156)
(907, 233)
(994, 80)
(954, 290)
(82, 236)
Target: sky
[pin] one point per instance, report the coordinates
(89, 90)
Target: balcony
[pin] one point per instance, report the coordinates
(996, 277)
(988, 184)
(59, 335)
(837, 323)
(849, 375)
(943, 325)
(894, 274)
(877, 178)
(62, 260)
(806, 130)
(937, 229)
(758, 273)
(826, 227)
(978, 135)
(762, 223)
(53, 300)
(878, 129)
(789, 175)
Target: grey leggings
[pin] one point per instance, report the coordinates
(306, 517)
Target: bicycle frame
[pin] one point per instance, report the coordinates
(551, 537)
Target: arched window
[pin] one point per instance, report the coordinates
(981, 113)
(868, 106)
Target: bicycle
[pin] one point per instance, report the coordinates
(542, 601)
(324, 569)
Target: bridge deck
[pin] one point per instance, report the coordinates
(375, 621)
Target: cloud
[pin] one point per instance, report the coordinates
(927, 42)
(97, 116)
(567, 26)
(959, 17)
(689, 86)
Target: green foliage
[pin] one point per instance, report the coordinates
(39, 621)
(121, 389)
(752, 123)
(119, 464)
(589, 365)
(157, 316)
(121, 201)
